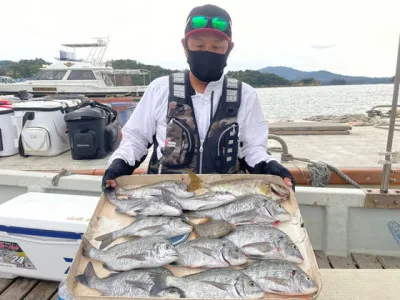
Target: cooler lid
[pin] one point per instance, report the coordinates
(5, 110)
(39, 105)
(45, 214)
(85, 113)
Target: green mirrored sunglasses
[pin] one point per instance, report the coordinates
(203, 22)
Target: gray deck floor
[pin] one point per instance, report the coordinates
(33, 289)
(357, 150)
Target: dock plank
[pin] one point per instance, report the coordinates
(322, 260)
(5, 283)
(19, 289)
(366, 261)
(55, 296)
(339, 262)
(44, 290)
(389, 262)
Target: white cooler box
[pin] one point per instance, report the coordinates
(8, 132)
(41, 126)
(41, 232)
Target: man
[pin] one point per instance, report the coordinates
(198, 120)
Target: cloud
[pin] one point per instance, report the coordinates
(323, 46)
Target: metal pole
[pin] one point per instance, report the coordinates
(387, 166)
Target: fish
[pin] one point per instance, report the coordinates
(244, 187)
(213, 229)
(171, 293)
(147, 252)
(148, 226)
(198, 289)
(205, 201)
(236, 283)
(178, 188)
(147, 206)
(209, 253)
(241, 187)
(136, 283)
(281, 277)
(252, 209)
(265, 242)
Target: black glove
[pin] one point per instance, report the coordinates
(274, 168)
(117, 168)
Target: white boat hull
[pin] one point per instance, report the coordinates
(87, 88)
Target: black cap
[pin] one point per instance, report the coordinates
(209, 11)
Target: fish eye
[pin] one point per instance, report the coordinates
(280, 205)
(237, 250)
(167, 246)
(281, 237)
(308, 278)
(252, 283)
(294, 247)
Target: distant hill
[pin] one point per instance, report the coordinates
(324, 77)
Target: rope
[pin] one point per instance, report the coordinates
(56, 178)
(344, 176)
(319, 172)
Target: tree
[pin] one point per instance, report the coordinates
(336, 81)
(258, 79)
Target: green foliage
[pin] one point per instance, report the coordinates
(307, 80)
(336, 81)
(156, 71)
(258, 79)
(25, 68)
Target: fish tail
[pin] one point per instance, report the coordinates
(88, 249)
(88, 277)
(105, 239)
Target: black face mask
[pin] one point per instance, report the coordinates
(206, 66)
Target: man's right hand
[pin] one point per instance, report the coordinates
(117, 168)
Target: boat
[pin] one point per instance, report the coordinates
(6, 79)
(91, 76)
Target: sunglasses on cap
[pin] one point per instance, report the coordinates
(218, 23)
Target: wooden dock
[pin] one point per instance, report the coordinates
(33, 289)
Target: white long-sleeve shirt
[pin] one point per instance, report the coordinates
(149, 119)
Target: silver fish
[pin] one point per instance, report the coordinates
(241, 187)
(178, 188)
(148, 206)
(206, 201)
(171, 293)
(147, 252)
(209, 253)
(136, 283)
(244, 187)
(147, 226)
(266, 242)
(281, 277)
(236, 283)
(214, 229)
(196, 289)
(253, 209)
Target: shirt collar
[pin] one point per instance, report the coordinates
(215, 85)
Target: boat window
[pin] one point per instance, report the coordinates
(108, 79)
(81, 75)
(49, 75)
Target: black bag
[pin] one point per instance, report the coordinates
(94, 131)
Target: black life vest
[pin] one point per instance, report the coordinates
(183, 149)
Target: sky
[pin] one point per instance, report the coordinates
(349, 37)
